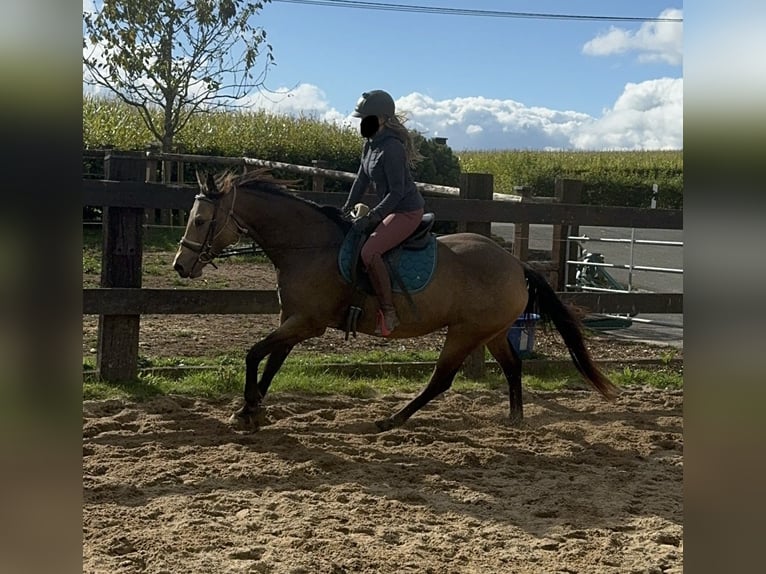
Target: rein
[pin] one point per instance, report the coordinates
(204, 250)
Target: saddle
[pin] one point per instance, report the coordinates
(419, 238)
(410, 265)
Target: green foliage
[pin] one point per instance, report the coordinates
(206, 383)
(354, 357)
(172, 60)
(224, 375)
(161, 239)
(659, 379)
(611, 178)
(155, 239)
(108, 122)
(438, 166)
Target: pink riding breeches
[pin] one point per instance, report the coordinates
(392, 231)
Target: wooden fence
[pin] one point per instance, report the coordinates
(124, 195)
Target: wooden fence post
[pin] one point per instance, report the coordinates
(117, 358)
(166, 215)
(317, 180)
(566, 191)
(152, 175)
(521, 230)
(476, 186)
(178, 215)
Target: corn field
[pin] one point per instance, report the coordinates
(610, 177)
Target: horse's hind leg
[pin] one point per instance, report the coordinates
(510, 361)
(456, 349)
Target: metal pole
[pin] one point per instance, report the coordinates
(632, 249)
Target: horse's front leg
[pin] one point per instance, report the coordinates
(252, 416)
(276, 347)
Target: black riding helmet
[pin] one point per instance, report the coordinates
(375, 103)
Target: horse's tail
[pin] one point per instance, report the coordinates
(544, 301)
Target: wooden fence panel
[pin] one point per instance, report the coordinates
(121, 301)
(147, 195)
(125, 195)
(179, 302)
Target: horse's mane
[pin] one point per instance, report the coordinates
(262, 180)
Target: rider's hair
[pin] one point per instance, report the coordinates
(396, 124)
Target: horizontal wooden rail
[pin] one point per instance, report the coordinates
(124, 195)
(106, 193)
(288, 167)
(160, 196)
(626, 303)
(119, 301)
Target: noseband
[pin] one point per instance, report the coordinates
(204, 250)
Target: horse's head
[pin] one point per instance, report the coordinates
(212, 225)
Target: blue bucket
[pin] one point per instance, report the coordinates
(521, 335)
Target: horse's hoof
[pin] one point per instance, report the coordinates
(242, 422)
(248, 420)
(385, 425)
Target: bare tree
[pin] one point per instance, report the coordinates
(178, 57)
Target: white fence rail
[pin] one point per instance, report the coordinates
(608, 284)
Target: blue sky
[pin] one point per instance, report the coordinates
(488, 83)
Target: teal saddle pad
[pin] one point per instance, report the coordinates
(415, 267)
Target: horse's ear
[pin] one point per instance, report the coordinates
(201, 178)
(212, 188)
(207, 184)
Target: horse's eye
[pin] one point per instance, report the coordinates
(198, 221)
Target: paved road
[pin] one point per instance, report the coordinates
(618, 253)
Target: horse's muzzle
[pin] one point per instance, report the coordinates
(180, 270)
(187, 268)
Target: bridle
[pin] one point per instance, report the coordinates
(204, 250)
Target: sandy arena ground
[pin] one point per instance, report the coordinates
(585, 486)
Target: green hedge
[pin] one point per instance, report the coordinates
(610, 178)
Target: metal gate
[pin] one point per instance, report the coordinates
(589, 271)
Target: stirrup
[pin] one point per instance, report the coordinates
(382, 327)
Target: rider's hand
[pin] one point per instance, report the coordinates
(367, 223)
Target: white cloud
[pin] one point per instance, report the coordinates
(654, 41)
(304, 99)
(648, 115)
(477, 122)
(473, 129)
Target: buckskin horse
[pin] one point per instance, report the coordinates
(478, 289)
